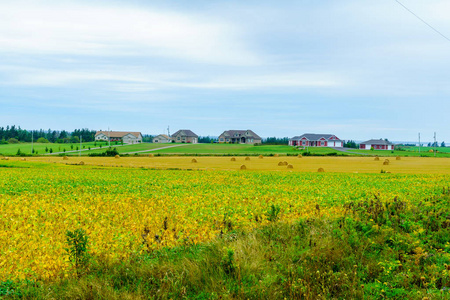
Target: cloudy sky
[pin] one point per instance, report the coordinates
(358, 69)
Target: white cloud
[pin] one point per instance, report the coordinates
(82, 29)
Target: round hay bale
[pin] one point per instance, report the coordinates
(285, 163)
(247, 158)
(243, 167)
(281, 163)
(299, 156)
(290, 166)
(150, 155)
(117, 156)
(276, 155)
(431, 151)
(24, 159)
(193, 160)
(65, 158)
(320, 170)
(386, 162)
(398, 158)
(376, 158)
(81, 163)
(261, 157)
(5, 158)
(233, 159)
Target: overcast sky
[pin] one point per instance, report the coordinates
(357, 69)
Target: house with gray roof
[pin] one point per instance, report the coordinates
(376, 145)
(239, 137)
(185, 136)
(316, 140)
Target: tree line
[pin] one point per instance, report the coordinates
(13, 134)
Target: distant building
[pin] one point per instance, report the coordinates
(120, 136)
(376, 145)
(316, 140)
(185, 136)
(239, 137)
(162, 138)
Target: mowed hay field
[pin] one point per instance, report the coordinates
(406, 165)
(128, 211)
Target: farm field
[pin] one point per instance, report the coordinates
(115, 205)
(409, 165)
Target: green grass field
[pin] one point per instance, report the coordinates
(204, 149)
(408, 151)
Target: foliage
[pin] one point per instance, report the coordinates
(275, 141)
(351, 144)
(109, 152)
(77, 250)
(13, 141)
(42, 140)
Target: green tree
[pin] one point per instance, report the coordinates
(443, 144)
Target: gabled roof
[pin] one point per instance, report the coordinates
(314, 136)
(185, 132)
(377, 142)
(164, 136)
(117, 134)
(241, 133)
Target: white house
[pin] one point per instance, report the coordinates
(376, 145)
(113, 136)
(316, 140)
(162, 138)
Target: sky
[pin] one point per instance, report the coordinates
(356, 69)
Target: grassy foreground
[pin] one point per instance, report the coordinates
(377, 250)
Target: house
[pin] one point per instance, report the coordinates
(316, 140)
(376, 145)
(121, 136)
(185, 136)
(162, 138)
(239, 137)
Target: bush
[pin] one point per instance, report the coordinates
(13, 141)
(42, 140)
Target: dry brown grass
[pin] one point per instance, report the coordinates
(409, 165)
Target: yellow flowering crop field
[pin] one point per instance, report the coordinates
(126, 210)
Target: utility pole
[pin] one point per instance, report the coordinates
(168, 131)
(435, 144)
(419, 142)
(81, 137)
(109, 137)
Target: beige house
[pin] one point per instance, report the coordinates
(185, 136)
(162, 139)
(239, 137)
(121, 136)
